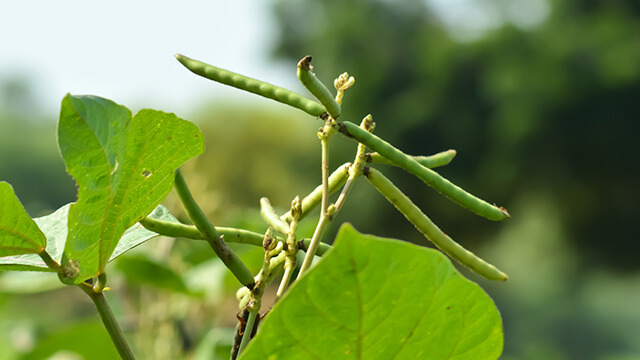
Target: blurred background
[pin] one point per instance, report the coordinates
(540, 98)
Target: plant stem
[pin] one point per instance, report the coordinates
(228, 257)
(52, 264)
(248, 330)
(109, 321)
(288, 271)
(324, 218)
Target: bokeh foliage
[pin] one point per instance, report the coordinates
(544, 119)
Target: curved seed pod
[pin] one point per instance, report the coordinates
(228, 257)
(315, 87)
(270, 217)
(431, 161)
(430, 177)
(336, 180)
(251, 85)
(429, 229)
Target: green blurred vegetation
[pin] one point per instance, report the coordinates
(544, 119)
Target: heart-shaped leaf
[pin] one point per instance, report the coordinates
(124, 167)
(54, 226)
(19, 234)
(375, 298)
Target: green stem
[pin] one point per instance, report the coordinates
(228, 257)
(324, 218)
(316, 87)
(429, 229)
(253, 314)
(430, 177)
(52, 264)
(109, 321)
(320, 250)
(432, 161)
(251, 85)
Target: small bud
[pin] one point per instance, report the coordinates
(296, 208)
(367, 123)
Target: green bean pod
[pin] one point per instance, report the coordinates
(431, 161)
(228, 257)
(336, 180)
(317, 88)
(430, 177)
(429, 229)
(269, 216)
(251, 85)
(231, 235)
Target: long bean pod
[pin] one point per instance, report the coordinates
(316, 87)
(336, 180)
(430, 177)
(252, 85)
(431, 161)
(228, 257)
(431, 230)
(269, 216)
(231, 235)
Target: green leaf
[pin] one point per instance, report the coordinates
(54, 226)
(375, 298)
(19, 234)
(124, 168)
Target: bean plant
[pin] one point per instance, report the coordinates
(363, 297)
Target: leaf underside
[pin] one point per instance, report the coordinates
(124, 168)
(19, 234)
(54, 226)
(375, 298)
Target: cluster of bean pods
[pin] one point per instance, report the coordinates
(329, 110)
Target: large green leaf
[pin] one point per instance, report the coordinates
(19, 234)
(54, 226)
(375, 298)
(124, 168)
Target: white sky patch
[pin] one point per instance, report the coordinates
(123, 50)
